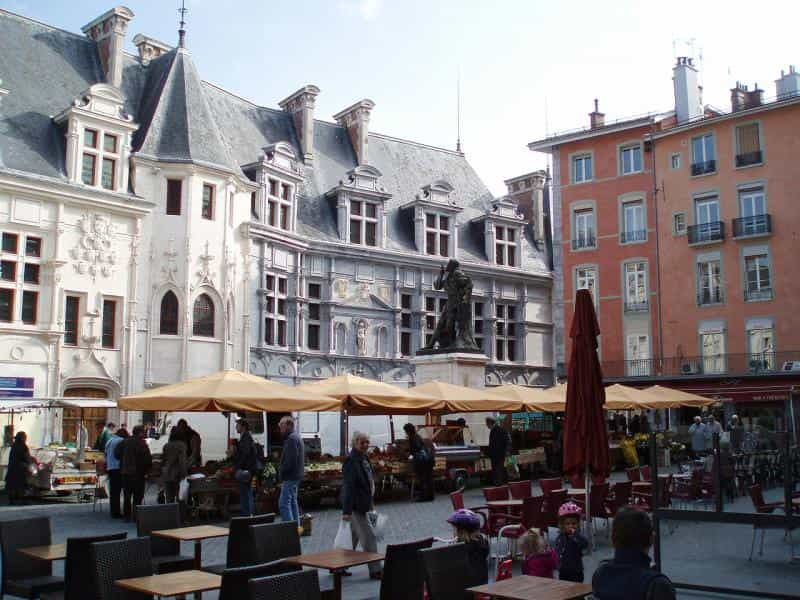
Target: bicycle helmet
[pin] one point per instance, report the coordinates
(569, 509)
(465, 519)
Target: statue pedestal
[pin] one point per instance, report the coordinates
(459, 368)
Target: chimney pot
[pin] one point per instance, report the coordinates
(355, 120)
(688, 94)
(301, 106)
(596, 118)
(108, 32)
(149, 48)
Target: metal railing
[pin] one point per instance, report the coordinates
(753, 225)
(758, 363)
(638, 235)
(748, 158)
(701, 168)
(702, 233)
(710, 296)
(636, 306)
(582, 243)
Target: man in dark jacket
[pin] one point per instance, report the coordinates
(291, 470)
(358, 488)
(629, 576)
(135, 463)
(499, 445)
(245, 463)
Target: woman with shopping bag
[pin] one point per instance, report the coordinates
(173, 465)
(358, 489)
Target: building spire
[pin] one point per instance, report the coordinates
(458, 110)
(182, 31)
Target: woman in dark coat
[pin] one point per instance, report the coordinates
(19, 460)
(422, 460)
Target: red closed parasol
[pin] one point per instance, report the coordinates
(585, 441)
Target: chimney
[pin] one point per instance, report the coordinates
(355, 119)
(108, 31)
(596, 118)
(149, 48)
(742, 98)
(688, 94)
(301, 106)
(788, 85)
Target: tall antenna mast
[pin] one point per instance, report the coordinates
(458, 110)
(182, 31)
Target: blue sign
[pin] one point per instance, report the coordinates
(16, 393)
(16, 382)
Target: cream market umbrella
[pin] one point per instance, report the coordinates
(669, 398)
(232, 391)
(552, 399)
(623, 397)
(361, 396)
(461, 399)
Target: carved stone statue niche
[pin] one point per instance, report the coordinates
(454, 332)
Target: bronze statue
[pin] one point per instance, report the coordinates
(454, 332)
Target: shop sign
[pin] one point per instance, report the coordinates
(16, 387)
(763, 397)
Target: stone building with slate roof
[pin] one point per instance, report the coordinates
(182, 229)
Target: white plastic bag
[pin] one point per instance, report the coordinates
(183, 490)
(344, 537)
(378, 523)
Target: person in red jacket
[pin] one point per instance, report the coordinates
(540, 559)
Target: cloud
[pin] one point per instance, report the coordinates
(366, 9)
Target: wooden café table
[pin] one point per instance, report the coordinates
(179, 583)
(336, 561)
(195, 534)
(526, 587)
(47, 553)
(512, 503)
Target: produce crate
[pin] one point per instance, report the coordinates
(531, 455)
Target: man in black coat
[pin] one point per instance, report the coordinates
(499, 446)
(135, 463)
(245, 462)
(358, 488)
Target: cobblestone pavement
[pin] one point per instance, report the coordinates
(710, 554)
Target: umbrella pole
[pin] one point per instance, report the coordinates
(587, 488)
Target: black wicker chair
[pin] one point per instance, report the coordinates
(79, 570)
(402, 574)
(447, 572)
(275, 541)
(240, 548)
(303, 585)
(235, 580)
(120, 560)
(166, 553)
(23, 576)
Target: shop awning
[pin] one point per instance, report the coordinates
(361, 396)
(230, 390)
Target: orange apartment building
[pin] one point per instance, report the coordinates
(696, 288)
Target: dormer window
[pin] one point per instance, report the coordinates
(435, 213)
(503, 228)
(360, 207)
(363, 223)
(278, 175)
(505, 241)
(98, 139)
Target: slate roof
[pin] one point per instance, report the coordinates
(184, 119)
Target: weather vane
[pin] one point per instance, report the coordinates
(182, 31)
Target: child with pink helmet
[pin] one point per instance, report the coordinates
(570, 543)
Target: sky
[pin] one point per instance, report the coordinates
(527, 68)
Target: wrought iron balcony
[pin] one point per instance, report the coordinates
(710, 296)
(702, 168)
(636, 306)
(752, 226)
(749, 158)
(760, 294)
(638, 235)
(751, 363)
(584, 242)
(706, 233)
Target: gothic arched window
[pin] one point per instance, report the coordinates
(203, 316)
(169, 314)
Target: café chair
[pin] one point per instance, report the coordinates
(402, 577)
(22, 575)
(520, 489)
(634, 474)
(274, 541)
(447, 572)
(235, 581)
(240, 552)
(498, 517)
(762, 507)
(79, 569)
(552, 503)
(166, 553)
(531, 517)
(457, 499)
(646, 473)
(120, 559)
(550, 484)
(303, 585)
